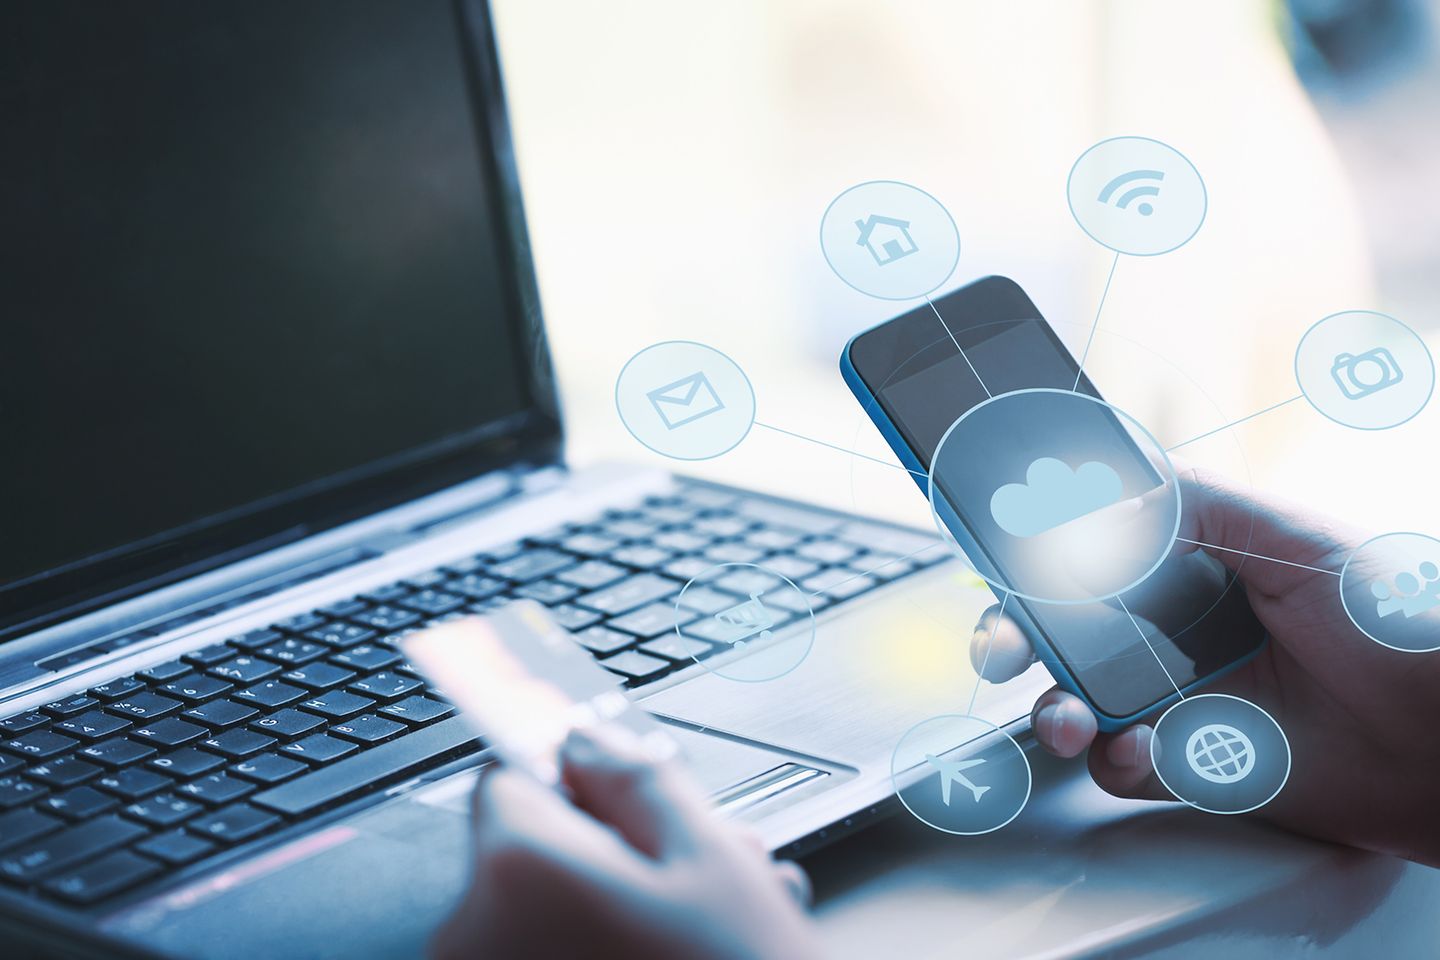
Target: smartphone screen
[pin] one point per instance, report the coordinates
(1192, 612)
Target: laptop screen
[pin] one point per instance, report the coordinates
(257, 281)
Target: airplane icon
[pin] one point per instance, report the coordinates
(950, 773)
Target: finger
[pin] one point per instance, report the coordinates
(651, 803)
(796, 880)
(1062, 723)
(998, 650)
(1120, 764)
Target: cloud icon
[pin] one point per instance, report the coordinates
(1053, 494)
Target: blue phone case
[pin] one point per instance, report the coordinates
(1016, 611)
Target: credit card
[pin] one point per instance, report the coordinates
(524, 684)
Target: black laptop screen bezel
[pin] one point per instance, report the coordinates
(533, 436)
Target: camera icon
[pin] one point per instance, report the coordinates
(1360, 375)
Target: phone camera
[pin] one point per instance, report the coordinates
(1360, 375)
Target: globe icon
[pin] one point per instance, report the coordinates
(1220, 753)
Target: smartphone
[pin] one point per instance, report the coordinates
(524, 684)
(1192, 622)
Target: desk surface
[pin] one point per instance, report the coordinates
(1081, 874)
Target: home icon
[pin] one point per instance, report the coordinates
(886, 238)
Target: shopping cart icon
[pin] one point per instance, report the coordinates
(749, 619)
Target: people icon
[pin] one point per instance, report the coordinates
(1409, 595)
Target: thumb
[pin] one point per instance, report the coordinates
(1267, 541)
(651, 803)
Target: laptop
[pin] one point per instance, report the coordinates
(278, 393)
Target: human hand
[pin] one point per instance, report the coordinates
(1365, 768)
(632, 864)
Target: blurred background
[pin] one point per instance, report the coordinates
(676, 159)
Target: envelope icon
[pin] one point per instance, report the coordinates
(686, 400)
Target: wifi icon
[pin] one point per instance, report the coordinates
(1142, 189)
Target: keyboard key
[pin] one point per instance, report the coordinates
(254, 640)
(219, 714)
(385, 685)
(793, 602)
(244, 670)
(367, 658)
(118, 752)
(215, 789)
(634, 665)
(792, 567)
(318, 749)
(344, 608)
(8, 763)
(270, 695)
(70, 705)
(145, 706)
(367, 728)
(267, 769)
(233, 824)
(340, 635)
(417, 710)
(196, 688)
(62, 772)
(838, 583)
(387, 762)
(434, 603)
(629, 594)
(473, 586)
(591, 575)
(883, 567)
(78, 803)
(36, 859)
(686, 568)
(287, 724)
(17, 826)
(14, 791)
(743, 581)
(574, 618)
(603, 640)
(161, 672)
(186, 763)
(548, 592)
(337, 704)
(385, 617)
(680, 649)
(640, 555)
(300, 622)
(318, 676)
(386, 594)
(206, 656)
(532, 565)
(238, 744)
(116, 688)
(292, 651)
(890, 539)
(105, 877)
(163, 810)
(22, 722)
(704, 600)
(653, 620)
(733, 552)
(133, 783)
(39, 744)
(827, 551)
(590, 544)
(721, 526)
(175, 848)
(169, 732)
(91, 725)
(773, 538)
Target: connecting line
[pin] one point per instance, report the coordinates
(853, 453)
(1274, 406)
(882, 566)
(957, 347)
(1288, 563)
(985, 662)
(1148, 644)
(1096, 325)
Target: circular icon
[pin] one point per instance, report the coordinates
(1220, 754)
(742, 621)
(960, 774)
(685, 400)
(1364, 370)
(1137, 196)
(1390, 587)
(889, 240)
(1051, 481)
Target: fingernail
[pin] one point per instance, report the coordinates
(1132, 749)
(1050, 723)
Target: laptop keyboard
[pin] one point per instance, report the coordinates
(146, 774)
